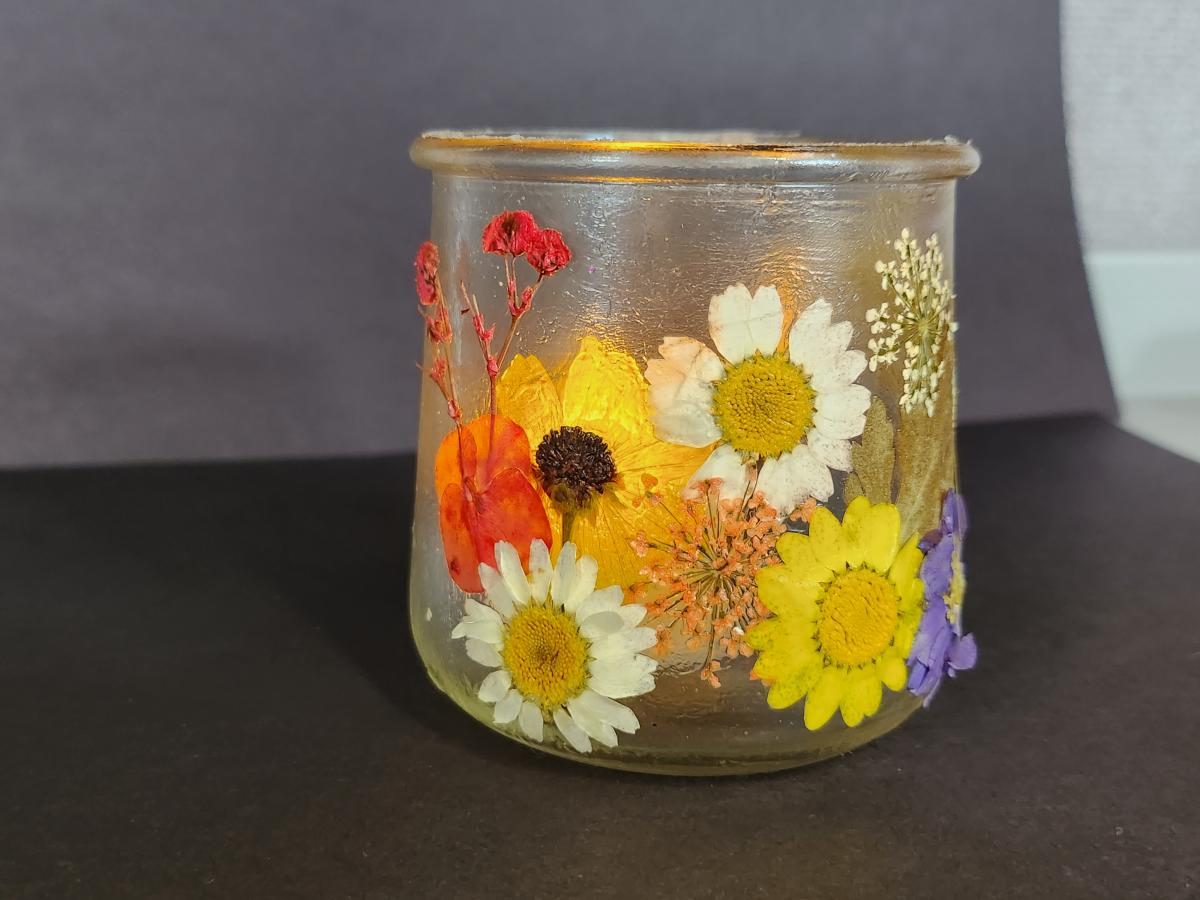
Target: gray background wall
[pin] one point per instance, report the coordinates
(207, 214)
(1132, 74)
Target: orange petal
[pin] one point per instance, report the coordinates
(447, 467)
(509, 510)
(456, 518)
(477, 459)
(501, 444)
(472, 523)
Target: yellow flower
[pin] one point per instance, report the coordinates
(595, 453)
(847, 600)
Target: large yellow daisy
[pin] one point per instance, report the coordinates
(596, 456)
(847, 601)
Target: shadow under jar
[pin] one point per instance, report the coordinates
(686, 484)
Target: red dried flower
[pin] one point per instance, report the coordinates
(509, 233)
(427, 273)
(438, 326)
(548, 252)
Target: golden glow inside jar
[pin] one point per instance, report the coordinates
(686, 482)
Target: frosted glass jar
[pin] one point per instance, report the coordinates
(686, 483)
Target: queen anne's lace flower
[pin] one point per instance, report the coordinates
(700, 580)
(561, 651)
(916, 322)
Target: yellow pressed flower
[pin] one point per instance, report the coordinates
(847, 600)
(596, 456)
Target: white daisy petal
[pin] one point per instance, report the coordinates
(495, 686)
(583, 584)
(489, 632)
(690, 359)
(600, 625)
(789, 480)
(484, 654)
(844, 369)
(681, 391)
(512, 572)
(530, 720)
(845, 404)
(632, 613)
(605, 599)
(724, 463)
(597, 730)
(839, 428)
(741, 324)
(691, 425)
(564, 574)
(837, 339)
(833, 452)
(806, 339)
(479, 612)
(540, 570)
(498, 594)
(625, 684)
(623, 643)
(617, 715)
(574, 735)
(508, 707)
(634, 666)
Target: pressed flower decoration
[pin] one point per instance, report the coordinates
(846, 601)
(483, 471)
(940, 647)
(702, 580)
(603, 517)
(562, 651)
(916, 322)
(781, 414)
(596, 456)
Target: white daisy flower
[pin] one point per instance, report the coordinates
(784, 416)
(561, 651)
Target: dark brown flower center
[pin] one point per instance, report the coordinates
(573, 465)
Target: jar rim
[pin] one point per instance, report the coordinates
(712, 156)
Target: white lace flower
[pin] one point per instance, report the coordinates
(783, 417)
(915, 322)
(562, 651)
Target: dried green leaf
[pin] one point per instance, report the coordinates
(873, 458)
(926, 458)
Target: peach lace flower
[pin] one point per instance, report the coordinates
(700, 584)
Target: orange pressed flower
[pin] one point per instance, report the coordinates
(700, 583)
(485, 494)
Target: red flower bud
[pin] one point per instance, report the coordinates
(427, 270)
(547, 252)
(509, 232)
(438, 371)
(438, 326)
(485, 334)
(520, 307)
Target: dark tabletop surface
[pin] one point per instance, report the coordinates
(208, 691)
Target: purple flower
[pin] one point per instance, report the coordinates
(940, 647)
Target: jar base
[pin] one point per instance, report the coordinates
(697, 765)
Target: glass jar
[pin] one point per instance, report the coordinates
(686, 481)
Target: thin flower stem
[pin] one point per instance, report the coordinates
(512, 326)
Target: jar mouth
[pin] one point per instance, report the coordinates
(706, 156)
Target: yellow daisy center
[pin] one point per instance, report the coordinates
(858, 616)
(546, 656)
(764, 405)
